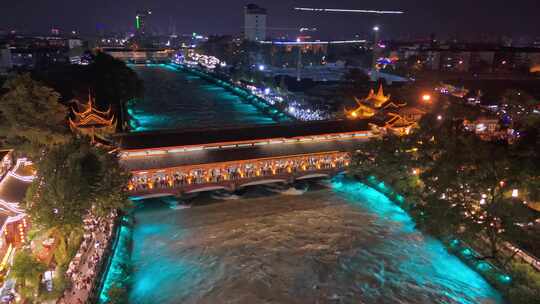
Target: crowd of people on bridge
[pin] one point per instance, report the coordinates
(245, 170)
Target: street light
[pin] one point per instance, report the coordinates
(376, 28)
(426, 97)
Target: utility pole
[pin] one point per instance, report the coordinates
(376, 48)
(299, 64)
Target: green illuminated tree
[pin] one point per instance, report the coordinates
(31, 116)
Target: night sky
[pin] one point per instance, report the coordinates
(466, 18)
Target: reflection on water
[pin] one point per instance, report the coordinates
(176, 99)
(348, 244)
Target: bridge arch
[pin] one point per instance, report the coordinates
(263, 182)
(206, 189)
(314, 175)
(151, 195)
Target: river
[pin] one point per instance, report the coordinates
(343, 244)
(339, 243)
(176, 99)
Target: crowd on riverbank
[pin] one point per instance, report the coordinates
(299, 109)
(302, 111)
(85, 267)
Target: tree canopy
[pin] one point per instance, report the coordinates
(31, 116)
(72, 179)
(457, 183)
(26, 268)
(113, 81)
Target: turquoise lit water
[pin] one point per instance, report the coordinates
(346, 244)
(117, 274)
(411, 259)
(175, 99)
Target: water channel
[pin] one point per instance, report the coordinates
(176, 99)
(341, 242)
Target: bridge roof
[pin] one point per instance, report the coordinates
(193, 137)
(211, 157)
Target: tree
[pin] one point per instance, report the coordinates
(465, 187)
(31, 116)
(109, 193)
(27, 269)
(476, 180)
(389, 159)
(72, 179)
(468, 182)
(113, 83)
(460, 184)
(519, 106)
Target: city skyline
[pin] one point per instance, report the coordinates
(487, 18)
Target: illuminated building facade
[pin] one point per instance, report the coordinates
(14, 222)
(255, 22)
(87, 120)
(485, 127)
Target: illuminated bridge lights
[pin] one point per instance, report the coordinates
(233, 171)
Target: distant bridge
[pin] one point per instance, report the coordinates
(191, 161)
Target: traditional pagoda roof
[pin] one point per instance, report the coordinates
(397, 121)
(373, 104)
(87, 115)
(377, 100)
(393, 105)
(361, 112)
(411, 111)
(88, 120)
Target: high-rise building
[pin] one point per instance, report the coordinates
(254, 22)
(140, 21)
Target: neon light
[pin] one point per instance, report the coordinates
(137, 22)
